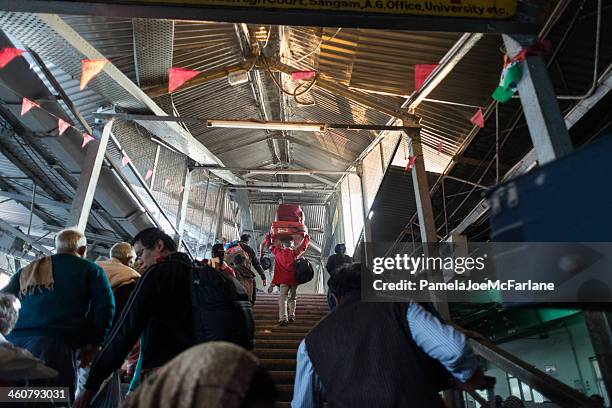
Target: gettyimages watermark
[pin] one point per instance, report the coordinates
(489, 272)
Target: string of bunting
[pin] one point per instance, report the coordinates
(90, 69)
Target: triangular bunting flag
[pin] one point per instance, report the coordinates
(62, 126)
(89, 69)
(181, 189)
(167, 182)
(27, 104)
(410, 163)
(178, 76)
(149, 174)
(124, 160)
(86, 139)
(439, 147)
(421, 72)
(9, 54)
(478, 119)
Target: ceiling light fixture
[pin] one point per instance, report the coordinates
(280, 190)
(270, 125)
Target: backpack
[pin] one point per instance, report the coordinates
(304, 271)
(221, 308)
(239, 260)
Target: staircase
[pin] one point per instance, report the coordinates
(277, 346)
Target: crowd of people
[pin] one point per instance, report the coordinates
(134, 312)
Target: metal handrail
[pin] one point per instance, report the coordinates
(552, 388)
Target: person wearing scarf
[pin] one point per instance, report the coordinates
(211, 375)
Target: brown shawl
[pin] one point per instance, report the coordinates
(37, 275)
(211, 375)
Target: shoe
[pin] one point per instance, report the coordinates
(283, 323)
(270, 289)
(292, 319)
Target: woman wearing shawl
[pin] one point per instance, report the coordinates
(211, 375)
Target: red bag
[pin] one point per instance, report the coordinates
(289, 212)
(286, 229)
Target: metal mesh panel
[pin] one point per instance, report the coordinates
(354, 185)
(372, 175)
(137, 144)
(388, 145)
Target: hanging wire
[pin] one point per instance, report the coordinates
(296, 92)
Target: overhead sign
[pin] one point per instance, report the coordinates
(485, 9)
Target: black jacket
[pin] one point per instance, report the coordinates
(335, 261)
(386, 368)
(254, 260)
(159, 308)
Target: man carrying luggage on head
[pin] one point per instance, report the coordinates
(284, 275)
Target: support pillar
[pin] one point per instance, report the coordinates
(246, 222)
(90, 172)
(181, 214)
(546, 125)
(427, 223)
(367, 230)
(221, 214)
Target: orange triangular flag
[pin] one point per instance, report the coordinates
(89, 69)
(9, 54)
(421, 73)
(86, 139)
(62, 126)
(178, 76)
(125, 160)
(149, 174)
(181, 189)
(439, 147)
(27, 104)
(478, 118)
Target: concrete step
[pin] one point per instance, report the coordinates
(278, 335)
(277, 343)
(283, 377)
(275, 353)
(278, 364)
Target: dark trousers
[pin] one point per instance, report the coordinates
(55, 353)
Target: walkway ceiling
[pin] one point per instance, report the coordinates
(365, 76)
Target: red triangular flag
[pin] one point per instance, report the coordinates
(478, 118)
(178, 76)
(149, 174)
(303, 75)
(410, 163)
(124, 160)
(167, 182)
(421, 72)
(62, 126)
(27, 104)
(86, 139)
(181, 189)
(439, 147)
(89, 69)
(9, 54)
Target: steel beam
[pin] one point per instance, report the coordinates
(221, 213)
(446, 65)
(525, 21)
(181, 214)
(118, 86)
(548, 132)
(18, 233)
(281, 189)
(90, 172)
(305, 172)
(39, 200)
